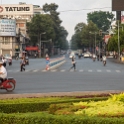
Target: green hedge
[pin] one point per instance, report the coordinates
(40, 118)
(23, 107)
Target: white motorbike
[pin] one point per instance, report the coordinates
(104, 60)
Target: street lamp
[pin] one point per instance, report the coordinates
(40, 44)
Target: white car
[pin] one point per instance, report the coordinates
(7, 56)
(86, 55)
(71, 55)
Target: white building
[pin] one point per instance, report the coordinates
(12, 33)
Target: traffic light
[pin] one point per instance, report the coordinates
(100, 32)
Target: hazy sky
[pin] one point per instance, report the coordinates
(70, 18)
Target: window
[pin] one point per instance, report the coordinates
(6, 40)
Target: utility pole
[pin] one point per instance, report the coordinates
(118, 41)
(40, 44)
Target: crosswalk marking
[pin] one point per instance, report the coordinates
(108, 70)
(99, 70)
(64, 70)
(118, 71)
(35, 70)
(53, 70)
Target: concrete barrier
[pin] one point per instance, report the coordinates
(54, 63)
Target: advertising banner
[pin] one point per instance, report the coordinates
(106, 38)
(13, 9)
(7, 27)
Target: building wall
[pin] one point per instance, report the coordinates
(22, 13)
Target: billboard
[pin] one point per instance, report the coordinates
(7, 27)
(106, 38)
(117, 5)
(15, 9)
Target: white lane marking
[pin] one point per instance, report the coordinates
(44, 70)
(62, 70)
(90, 70)
(108, 70)
(35, 70)
(71, 70)
(81, 70)
(53, 70)
(118, 71)
(27, 70)
(99, 70)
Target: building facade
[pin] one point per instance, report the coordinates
(13, 35)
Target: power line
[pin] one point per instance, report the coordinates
(84, 9)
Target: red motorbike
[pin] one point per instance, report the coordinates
(8, 84)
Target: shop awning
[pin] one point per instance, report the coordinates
(31, 48)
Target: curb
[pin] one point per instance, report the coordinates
(58, 94)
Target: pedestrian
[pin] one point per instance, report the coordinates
(22, 64)
(73, 63)
(47, 62)
(4, 62)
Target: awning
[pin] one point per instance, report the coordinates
(31, 48)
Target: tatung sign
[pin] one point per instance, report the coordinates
(7, 27)
(16, 9)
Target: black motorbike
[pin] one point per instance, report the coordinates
(9, 62)
(26, 61)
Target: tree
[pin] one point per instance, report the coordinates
(113, 41)
(61, 33)
(84, 35)
(38, 25)
(101, 19)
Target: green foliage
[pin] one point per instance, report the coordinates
(84, 36)
(101, 19)
(61, 34)
(60, 110)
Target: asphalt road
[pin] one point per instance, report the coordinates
(89, 76)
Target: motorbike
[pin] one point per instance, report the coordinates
(9, 62)
(104, 62)
(94, 58)
(27, 61)
(8, 84)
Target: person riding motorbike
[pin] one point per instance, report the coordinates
(94, 57)
(104, 59)
(3, 72)
(26, 60)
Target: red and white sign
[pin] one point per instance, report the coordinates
(122, 19)
(106, 38)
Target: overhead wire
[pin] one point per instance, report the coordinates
(84, 9)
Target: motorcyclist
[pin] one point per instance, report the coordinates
(3, 72)
(104, 58)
